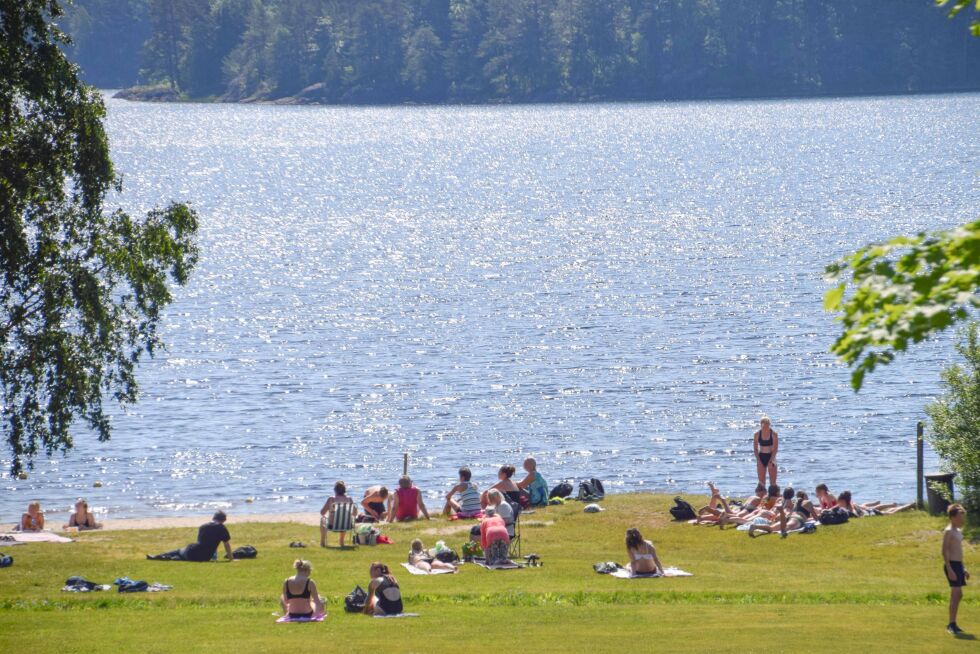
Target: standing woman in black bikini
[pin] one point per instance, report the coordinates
(766, 444)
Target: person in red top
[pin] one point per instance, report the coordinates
(407, 504)
(827, 499)
(494, 537)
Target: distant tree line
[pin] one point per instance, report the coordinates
(380, 51)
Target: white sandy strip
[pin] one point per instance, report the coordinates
(306, 519)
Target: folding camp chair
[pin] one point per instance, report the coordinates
(343, 519)
(514, 531)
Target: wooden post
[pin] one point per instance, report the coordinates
(919, 443)
(405, 464)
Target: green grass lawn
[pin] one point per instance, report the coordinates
(873, 584)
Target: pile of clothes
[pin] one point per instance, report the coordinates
(125, 585)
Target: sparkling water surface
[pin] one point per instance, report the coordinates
(619, 290)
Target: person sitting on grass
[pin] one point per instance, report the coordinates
(33, 520)
(787, 519)
(419, 558)
(494, 537)
(468, 505)
(300, 598)
(755, 502)
(643, 556)
(503, 508)
(384, 594)
(804, 508)
(209, 536)
(827, 499)
(505, 485)
(407, 504)
(772, 498)
(534, 483)
(329, 510)
(374, 503)
(82, 518)
(956, 574)
(856, 510)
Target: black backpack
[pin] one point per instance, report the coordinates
(447, 556)
(355, 600)
(245, 552)
(682, 510)
(564, 489)
(834, 516)
(589, 492)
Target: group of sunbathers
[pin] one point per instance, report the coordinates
(770, 511)
(464, 500)
(82, 519)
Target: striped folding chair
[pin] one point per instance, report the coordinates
(340, 519)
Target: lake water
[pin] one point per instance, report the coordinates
(618, 290)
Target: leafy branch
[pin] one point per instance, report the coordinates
(960, 5)
(902, 291)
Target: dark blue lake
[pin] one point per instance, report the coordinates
(618, 290)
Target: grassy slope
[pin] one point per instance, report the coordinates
(874, 584)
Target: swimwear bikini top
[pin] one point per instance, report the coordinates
(766, 443)
(304, 595)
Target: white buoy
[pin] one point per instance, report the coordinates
(97, 484)
(249, 500)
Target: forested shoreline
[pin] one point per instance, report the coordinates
(434, 51)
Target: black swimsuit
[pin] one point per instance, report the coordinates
(388, 606)
(304, 595)
(766, 457)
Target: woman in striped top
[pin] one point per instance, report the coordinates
(468, 505)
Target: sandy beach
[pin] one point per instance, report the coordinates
(310, 519)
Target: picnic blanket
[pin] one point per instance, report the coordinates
(625, 573)
(418, 571)
(32, 537)
(399, 615)
(314, 618)
(509, 565)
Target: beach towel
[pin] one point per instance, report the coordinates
(418, 571)
(33, 537)
(508, 565)
(314, 618)
(624, 573)
(399, 615)
(755, 521)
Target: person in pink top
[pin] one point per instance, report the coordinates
(407, 504)
(827, 499)
(494, 537)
